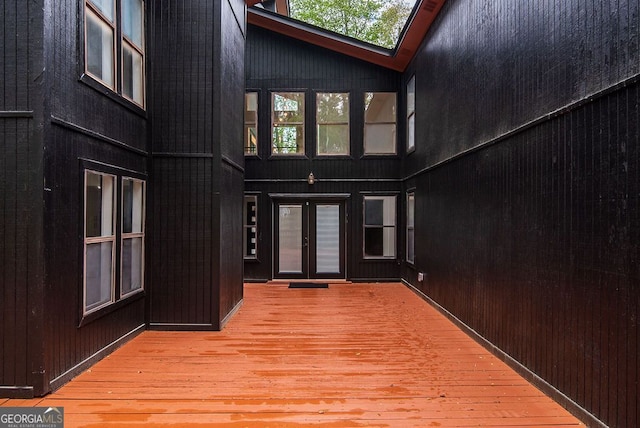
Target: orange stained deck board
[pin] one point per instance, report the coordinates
(352, 355)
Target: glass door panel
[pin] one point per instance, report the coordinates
(327, 239)
(290, 238)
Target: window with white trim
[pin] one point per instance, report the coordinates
(411, 206)
(250, 227)
(132, 240)
(379, 123)
(114, 224)
(287, 123)
(99, 240)
(115, 42)
(411, 114)
(379, 227)
(332, 122)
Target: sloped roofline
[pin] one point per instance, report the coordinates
(418, 24)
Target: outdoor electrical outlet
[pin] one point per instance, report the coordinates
(420, 276)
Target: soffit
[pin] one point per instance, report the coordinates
(424, 13)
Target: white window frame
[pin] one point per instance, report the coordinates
(411, 234)
(389, 229)
(250, 228)
(411, 114)
(116, 82)
(275, 123)
(99, 240)
(370, 124)
(251, 124)
(320, 122)
(133, 235)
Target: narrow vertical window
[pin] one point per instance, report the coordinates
(133, 50)
(250, 235)
(99, 240)
(287, 123)
(411, 114)
(100, 29)
(411, 204)
(133, 219)
(379, 226)
(332, 122)
(251, 123)
(379, 123)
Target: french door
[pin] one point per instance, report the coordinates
(309, 239)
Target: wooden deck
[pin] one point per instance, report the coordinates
(352, 355)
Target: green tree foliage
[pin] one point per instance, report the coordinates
(375, 21)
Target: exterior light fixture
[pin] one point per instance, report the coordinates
(311, 179)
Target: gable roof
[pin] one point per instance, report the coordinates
(421, 18)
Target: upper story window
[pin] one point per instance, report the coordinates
(114, 46)
(379, 123)
(411, 114)
(379, 227)
(332, 122)
(251, 123)
(287, 123)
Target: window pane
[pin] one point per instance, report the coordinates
(99, 205)
(380, 138)
(373, 242)
(410, 246)
(105, 7)
(251, 123)
(411, 132)
(411, 96)
(133, 21)
(287, 118)
(250, 227)
(99, 45)
(411, 209)
(332, 108)
(132, 206)
(98, 274)
(373, 210)
(132, 74)
(132, 265)
(333, 139)
(380, 107)
(290, 239)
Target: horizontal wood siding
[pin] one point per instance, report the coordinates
(276, 62)
(21, 207)
(82, 121)
(532, 239)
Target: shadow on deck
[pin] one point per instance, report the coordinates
(351, 355)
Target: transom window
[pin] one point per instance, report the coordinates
(251, 123)
(287, 123)
(411, 114)
(332, 122)
(379, 123)
(379, 227)
(114, 46)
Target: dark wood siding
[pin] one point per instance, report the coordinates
(531, 239)
(276, 62)
(21, 206)
(196, 107)
(82, 122)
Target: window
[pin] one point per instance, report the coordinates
(287, 123)
(332, 121)
(132, 257)
(379, 226)
(250, 235)
(379, 123)
(251, 123)
(101, 241)
(411, 204)
(411, 114)
(109, 46)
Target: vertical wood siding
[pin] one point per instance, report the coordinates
(532, 241)
(276, 62)
(196, 106)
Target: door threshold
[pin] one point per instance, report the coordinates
(280, 281)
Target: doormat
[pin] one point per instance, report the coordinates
(308, 285)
